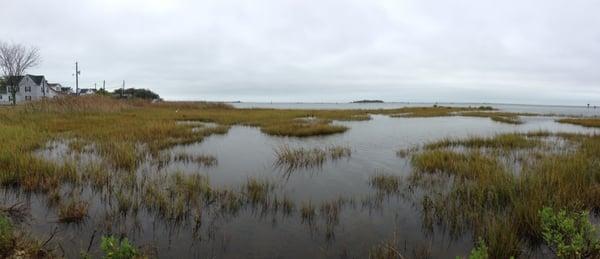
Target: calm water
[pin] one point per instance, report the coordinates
(245, 152)
(538, 109)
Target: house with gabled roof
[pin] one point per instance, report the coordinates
(31, 88)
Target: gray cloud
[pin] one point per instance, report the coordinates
(333, 50)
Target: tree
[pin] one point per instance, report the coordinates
(2, 86)
(15, 59)
(137, 93)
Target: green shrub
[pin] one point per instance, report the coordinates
(569, 234)
(6, 235)
(115, 249)
(479, 252)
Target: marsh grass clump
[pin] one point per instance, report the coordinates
(424, 112)
(73, 211)
(174, 197)
(294, 158)
(124, 202)
(502, 117)
(404, 153)
(300, 157)
(503, 141)
(230, 202)
(472, 165)
(96, 175)
(395, 249)
(586, 122)
(507, 119)
(330, 213)
(385, 183)
(204, 160)
(337, 152)
(258, 191)
(308, 212)
(496, 203)
(303, 129)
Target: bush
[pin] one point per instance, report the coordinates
(569, 234)
(137, 93)
(113, 249)
(6, 236)
(479, 252)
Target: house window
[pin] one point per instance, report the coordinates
(27, 88)
(27, 98)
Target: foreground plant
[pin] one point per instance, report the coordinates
(479, 252)
(7, 239)
(15, 244)
(114, 248)
(495, 188)
(569, 234)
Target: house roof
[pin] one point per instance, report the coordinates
(37, 79)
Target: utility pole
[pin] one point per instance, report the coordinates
(104, 85)
(77, 72)
(123, 90)
(95, 86)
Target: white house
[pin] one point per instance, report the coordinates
(31, 88)
(87, 91)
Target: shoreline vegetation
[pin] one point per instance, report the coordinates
(586, 122)
(367, 101)
(507, 191)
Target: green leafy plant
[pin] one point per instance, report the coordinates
(115, 249)
(6, 235)
(479, 252)
(569, 234)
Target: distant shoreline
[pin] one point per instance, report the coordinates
(368, 101)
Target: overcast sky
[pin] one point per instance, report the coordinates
(514, 51)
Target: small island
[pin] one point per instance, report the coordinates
(368, 101)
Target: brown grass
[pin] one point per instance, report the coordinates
(74, 211)
(587, 122)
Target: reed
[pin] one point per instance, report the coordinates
(337, 152)
(308, 212)
(73, 211)
(204, 160)
(385, 183)
(300, 157)
(257, 191)
(294, 158)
